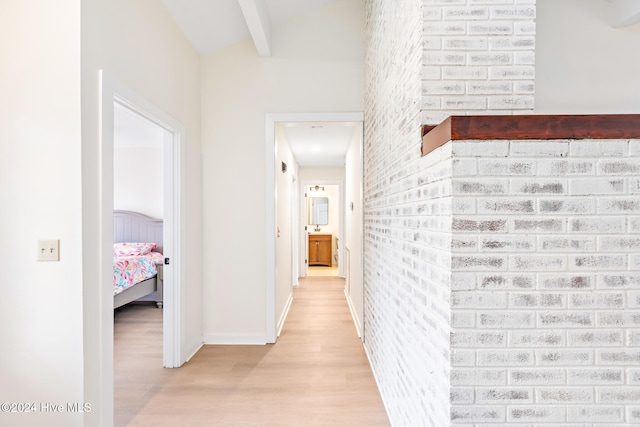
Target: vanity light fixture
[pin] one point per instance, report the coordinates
(317, 188)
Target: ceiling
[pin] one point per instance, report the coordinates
(214, 24)
(319, 143)
(624, 13)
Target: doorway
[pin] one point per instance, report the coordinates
(114, 93)
(278, 291)
(321, 216)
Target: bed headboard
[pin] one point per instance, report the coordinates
(135, 227)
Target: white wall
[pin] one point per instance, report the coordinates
(139, 45)
(353, 227)
(138, 180)
(322, 173)
(583, 65)
(317, 66)
(138, 151)
(40, 195)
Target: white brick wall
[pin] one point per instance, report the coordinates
(502, 277)
(546, 312)
(427, 59)
(407, 225)
(478, 57)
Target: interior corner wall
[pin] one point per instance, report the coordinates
(406, 226)
(583, 64)
(317, 66)
(138, 44)
(40, 195)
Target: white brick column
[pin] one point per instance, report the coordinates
(426, 60)
(546, 278)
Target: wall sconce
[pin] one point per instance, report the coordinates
(317, 188)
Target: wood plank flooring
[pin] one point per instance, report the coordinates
(317, 374)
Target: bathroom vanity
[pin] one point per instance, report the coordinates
(320, 249)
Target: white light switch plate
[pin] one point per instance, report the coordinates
(48, 250)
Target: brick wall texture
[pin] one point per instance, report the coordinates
(546, 278)
(478, 57)
(407, 247)
(502, 278)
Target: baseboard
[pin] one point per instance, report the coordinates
(194, 349)
(285, 312)
(353, 314)
(375, 378)
(212, 339)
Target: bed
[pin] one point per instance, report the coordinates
(132, 232)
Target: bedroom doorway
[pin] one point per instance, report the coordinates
(148, 134)
(117, 97)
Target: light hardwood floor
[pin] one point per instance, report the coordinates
(322, 271)
(317, 374)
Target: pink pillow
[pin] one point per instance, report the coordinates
(132, 249)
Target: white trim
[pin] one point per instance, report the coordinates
(375, 377)
(270, 214)
(353, 313)
(271, 230)
(105, 250)
(214, 339)
(285, 313)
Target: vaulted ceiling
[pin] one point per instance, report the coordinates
(214, 24)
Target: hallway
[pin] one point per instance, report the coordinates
(317, 374)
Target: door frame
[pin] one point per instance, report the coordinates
(111, 91)
(303, 211)
(115, 92)
(270, 186)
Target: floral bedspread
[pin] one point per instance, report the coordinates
(129, 270)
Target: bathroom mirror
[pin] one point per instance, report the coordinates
(319, 210)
